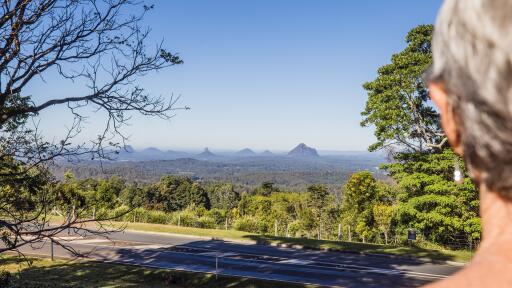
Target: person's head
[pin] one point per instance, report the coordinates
(471, 83)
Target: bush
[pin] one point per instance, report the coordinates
(247, 224)
(218, 215)
(206, 222)
(119, 212)
(158, 217)
(147, 216)
(185, 218)
(294, 228)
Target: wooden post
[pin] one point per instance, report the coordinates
(226, 223)
(339, 231)
(179, 219)
(216, 265)
(51, 248)
(275, 228)
(94, 213)
(349, 235)
(287, 235)
(68, 219)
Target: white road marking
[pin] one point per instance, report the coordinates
(89, 241)
(216, 254)
(296, 261)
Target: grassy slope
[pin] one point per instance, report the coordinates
(94, 274)
(434, 254)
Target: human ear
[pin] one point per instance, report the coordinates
(448, 120)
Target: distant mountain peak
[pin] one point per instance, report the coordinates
(267, 153)
(152, 149)
(303, 150)
(245, 152)
(206, 153)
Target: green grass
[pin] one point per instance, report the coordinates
(167, 228)
(436, 253)
(60, 273)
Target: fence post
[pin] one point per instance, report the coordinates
(216, 265)
(179, 219)
(287, 235)
(275, 228)
(339, 231)
(51, 248)
(349, 235)
(68, 219)
(226, 223)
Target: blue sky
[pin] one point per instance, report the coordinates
(264, 74)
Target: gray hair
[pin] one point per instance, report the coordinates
(472, 57)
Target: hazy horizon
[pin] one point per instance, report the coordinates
(234, 150)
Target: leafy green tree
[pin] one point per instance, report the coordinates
(285, 208)
(265, 189)
(223, 196)
(430, 201)
(359, 196)
(133, 196)
(364, 231)
(106, 194)
(69, 193)
(177, 193)
(398, 104)
(383, 214)
(319, 201)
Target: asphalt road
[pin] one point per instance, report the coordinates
(250, 260)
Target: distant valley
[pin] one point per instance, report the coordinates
(297, 169)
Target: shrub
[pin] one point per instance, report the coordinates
(147, 216)
(247, 224)
(119, 212)
(218, 215)
(158, 217)
(294, 228)
(185, 218)
(206, 222)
